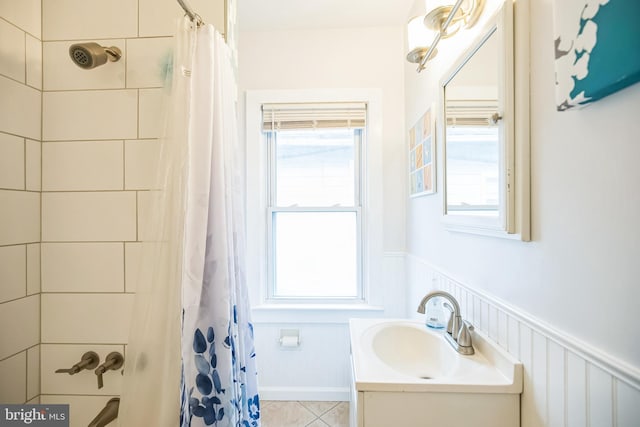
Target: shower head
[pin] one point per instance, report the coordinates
(91, 55)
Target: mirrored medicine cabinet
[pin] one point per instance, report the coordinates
(484, 126)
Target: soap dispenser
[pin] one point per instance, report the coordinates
(436, 315)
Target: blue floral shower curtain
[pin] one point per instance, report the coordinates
(219, 379)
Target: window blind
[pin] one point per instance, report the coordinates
(313, 116)
(471, 112)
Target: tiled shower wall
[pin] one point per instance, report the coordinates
(99, 133)
(566, 383)
(20, 135)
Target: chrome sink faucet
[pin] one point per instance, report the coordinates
(457, 330)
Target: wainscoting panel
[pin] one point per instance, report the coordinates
(567, 383)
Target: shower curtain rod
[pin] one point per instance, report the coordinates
(190, 13)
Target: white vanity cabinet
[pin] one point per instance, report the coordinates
(386, 409)
(405, 374)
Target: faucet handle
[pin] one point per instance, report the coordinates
(89, 360)
(113, 361)
(450, 321)
(464, 337)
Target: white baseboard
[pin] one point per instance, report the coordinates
(324, 394)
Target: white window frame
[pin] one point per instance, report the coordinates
(266, 309)
(272, 208)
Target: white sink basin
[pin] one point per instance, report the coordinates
(405, 355)
(412, 350)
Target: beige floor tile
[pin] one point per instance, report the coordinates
(318, 408)
(265, 403)
(338, 416)
(318, 423)
(285, 414)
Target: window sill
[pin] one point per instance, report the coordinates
(312, 313)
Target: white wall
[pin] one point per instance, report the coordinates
(20, 135)
(368, 58)
(580, 272)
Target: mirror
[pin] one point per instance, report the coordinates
(472, 136)
(477, 128)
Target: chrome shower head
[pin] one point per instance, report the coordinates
(91, 55)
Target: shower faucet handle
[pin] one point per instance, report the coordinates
(89, 360)
(113, 362)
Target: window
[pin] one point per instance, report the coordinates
(314, 200)
(473, 164)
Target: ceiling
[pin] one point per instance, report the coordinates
(268, 15)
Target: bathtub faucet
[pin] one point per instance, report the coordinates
(457, 331)
(108, 413)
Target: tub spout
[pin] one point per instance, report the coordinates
(108, 413)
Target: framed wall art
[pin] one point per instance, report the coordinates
(596, 49)
(422, 158)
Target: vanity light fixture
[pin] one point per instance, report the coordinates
(443, 19)
(417, 34)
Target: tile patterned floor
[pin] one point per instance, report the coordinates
(304, 414)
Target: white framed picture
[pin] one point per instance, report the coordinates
(422, 155)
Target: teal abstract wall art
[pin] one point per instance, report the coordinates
(597, 49)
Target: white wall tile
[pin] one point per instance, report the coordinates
(34, 62)
(33, 268)
(146, 201)
(82, 318)
(34, 401)
(26, 14)
(13, 372)
(13, 272)
(101, 216)
(11, 162)
(628, 407)
(68, 166)
(158, 17)
(19, 217)
(79, 115)
(600, 397)
(12, 51)
(61, 73)
(20, 109)
(133, 259)
(82, 267)
(23, 312)
(148, 60)
(82, 19)
(57, 356)
(151, 110)
(141, 160)
(33, 372)
(82, 409)
(34, 165)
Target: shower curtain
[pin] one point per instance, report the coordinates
(190, 359)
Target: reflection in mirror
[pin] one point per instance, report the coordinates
(485, 132)
(472, 132)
